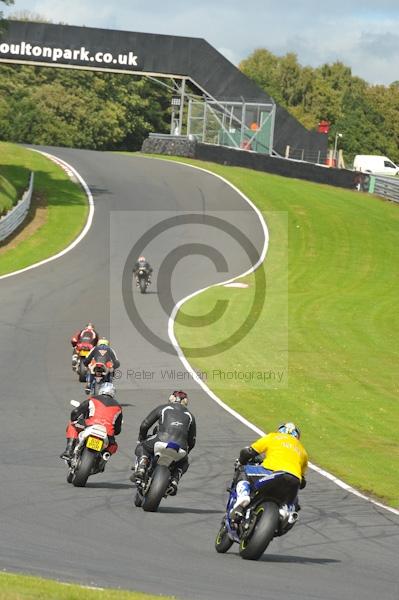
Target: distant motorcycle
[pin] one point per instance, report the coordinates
(142, 280)
(265, 517)
(82, 350)
(156, 484)
(90, 453)
(101, 373)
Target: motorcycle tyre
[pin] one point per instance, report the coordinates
(262, 533)
(223, 542)
(143, 285)
(159, 484)
(84, 468)
(81, 371)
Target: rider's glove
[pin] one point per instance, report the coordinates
(302, 484)
(80, 423)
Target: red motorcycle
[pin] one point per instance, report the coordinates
(82, 351)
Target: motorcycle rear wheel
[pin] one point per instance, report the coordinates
(84, 468)
(223, 542)
(267, 517)
(159, 484)
(81, 371)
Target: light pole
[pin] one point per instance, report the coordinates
(337, 135)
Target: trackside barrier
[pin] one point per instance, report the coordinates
(14, 217)
(387, 187)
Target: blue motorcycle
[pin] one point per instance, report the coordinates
(267, 515)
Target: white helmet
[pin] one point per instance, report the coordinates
(291, 429)
(107, 389)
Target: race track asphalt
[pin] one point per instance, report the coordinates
(342, 548)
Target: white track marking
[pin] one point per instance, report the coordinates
(71, 171)
(206, 389)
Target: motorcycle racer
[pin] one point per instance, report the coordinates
(142, 263)
(102, 353)
(175, 423)
(284, 453)
(101, 409)
(88, 334)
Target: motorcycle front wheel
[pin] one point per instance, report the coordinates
(84, 468)
(253, 546)
(143, 285)
(159, 484)
(223, 542)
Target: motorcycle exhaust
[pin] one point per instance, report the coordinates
(106, 455)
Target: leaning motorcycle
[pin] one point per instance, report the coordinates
(142, 280)
(101, 373)
(82, 351)
(266, 517)
(90, 453)
(156, 483)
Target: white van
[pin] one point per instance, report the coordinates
(377, 165)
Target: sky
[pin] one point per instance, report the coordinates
(364, 34)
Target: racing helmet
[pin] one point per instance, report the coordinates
(179, 397)
(291, 429)
(89, 325)
(107, 389)
(103, 342)
(142, 259)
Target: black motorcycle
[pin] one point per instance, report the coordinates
(267, 515)
(156, 483)
(142, 280)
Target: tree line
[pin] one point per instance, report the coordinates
(81, 109)
(109, 111)
(366, 115)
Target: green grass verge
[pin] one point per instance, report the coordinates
(66, 202)
(343, 327)
(22, 587)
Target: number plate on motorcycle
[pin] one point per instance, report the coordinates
(84, 352)
(94, 443)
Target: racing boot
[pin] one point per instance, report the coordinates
(67, 454)
(140, 469)
(236, 516)
(243, 499)
(174, 482)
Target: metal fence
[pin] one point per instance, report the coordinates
(14, 218)
(387, 187)
(244, 125)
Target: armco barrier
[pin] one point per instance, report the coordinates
(14, 218)
(183, 146)
(387, 187)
